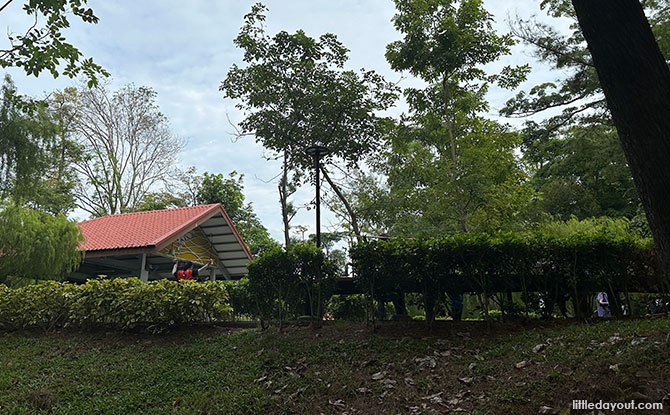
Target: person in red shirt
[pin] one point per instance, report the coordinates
(188, 270)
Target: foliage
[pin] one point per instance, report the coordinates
(279, 281)
(35, 154)
(44, 48)
(347, 307)
(581, 169)
(160, 200)
(45, 306)
(125, 156)
(559, 260)
(213, 188)
(578, 94)
(295, 93)
(114, 303)
(35, 244)
(274, 287)
(240, 298)
(317, 273)
(486, 190)
(445, 40)
(448, 167)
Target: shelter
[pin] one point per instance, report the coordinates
(144, 244)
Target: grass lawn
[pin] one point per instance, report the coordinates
(461, 368)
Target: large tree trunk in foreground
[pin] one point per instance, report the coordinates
(636, 81)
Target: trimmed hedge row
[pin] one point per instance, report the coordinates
(115, 303)
(564, 261)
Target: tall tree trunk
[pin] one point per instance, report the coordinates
(636, 81)
(449, 117)
(283, 199)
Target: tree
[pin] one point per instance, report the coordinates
(36, 155)
(35, 244)
(215, 189)
(583, 173)
(449, 168)
(295, 93)
(160, 200)
(181, 192)
(229, 192)
(128, 147)
(635, 78)
(486, 190)
(579, 125)
(578, 94)
(44, 47)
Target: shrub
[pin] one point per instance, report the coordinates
(280, 280)
(347, 307)
(115, 303)
(45, 306)
(560, 261)
(240, 298)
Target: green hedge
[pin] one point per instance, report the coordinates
(566, 260)
(114, 303)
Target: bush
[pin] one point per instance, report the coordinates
(280, 280)
(347, 307)
(561, 261)
(45, 306)
(115, 303)
(240, 298)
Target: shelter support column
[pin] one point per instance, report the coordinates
(144, 274)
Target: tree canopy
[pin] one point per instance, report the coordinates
(35, 155)
(128, 147)
(295, 92)
(42, 47)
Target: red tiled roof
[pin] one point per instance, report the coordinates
(140, 229)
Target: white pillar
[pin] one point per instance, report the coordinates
(144, 274)
(212, 274)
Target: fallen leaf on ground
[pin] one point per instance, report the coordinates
(435, 399)
(378, 375)
(427, 361)
(338, 403)
(389, 383)
(539, 348)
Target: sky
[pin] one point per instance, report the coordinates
(183, 51)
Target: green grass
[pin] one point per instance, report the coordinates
(216, 371)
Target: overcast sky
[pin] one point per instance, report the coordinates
(183, 50)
